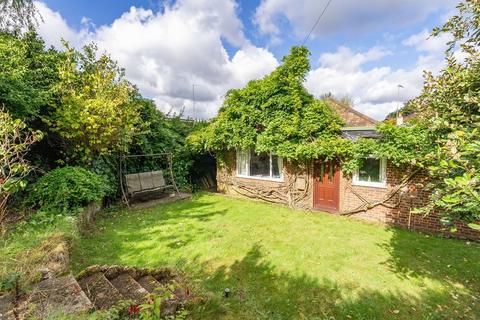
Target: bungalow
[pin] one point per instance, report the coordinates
(378, 191)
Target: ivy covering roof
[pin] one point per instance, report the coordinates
(275, 114)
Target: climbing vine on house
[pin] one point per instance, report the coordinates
(277, 114)
(274, 114)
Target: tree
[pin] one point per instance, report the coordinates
(95, 115)
(28, 73)
(449, 106)
(15, 142)
(162, 134)
(16, 15)
(275, 114)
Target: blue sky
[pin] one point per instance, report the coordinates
(362, 50)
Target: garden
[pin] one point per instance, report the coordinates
(69, 119)
(280, 263)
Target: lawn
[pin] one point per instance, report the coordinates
(286, 264)
(20, 249)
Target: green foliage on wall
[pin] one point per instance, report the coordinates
(274, 114)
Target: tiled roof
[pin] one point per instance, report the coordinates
(352, 117)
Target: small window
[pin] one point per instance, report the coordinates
(372, 173)
(242, 163)
(261, 165)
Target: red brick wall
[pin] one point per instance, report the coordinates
(412, 196)
(283, 192)
(351, 117)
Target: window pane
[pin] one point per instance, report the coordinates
(370, 171)
(242, 158)
(276, 166)
(259, 164)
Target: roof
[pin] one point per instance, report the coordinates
(352, 117)
(353, 133)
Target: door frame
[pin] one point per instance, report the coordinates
(336, 182)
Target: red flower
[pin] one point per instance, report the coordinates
(133, 309)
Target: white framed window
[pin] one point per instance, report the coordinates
(262, 165)
(372, 173)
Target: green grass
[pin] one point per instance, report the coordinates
(24, 239)
(285, 264)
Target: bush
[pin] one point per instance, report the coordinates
(66, 190)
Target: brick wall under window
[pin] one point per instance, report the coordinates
(395, 212)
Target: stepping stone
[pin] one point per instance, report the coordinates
(129, 288)
(150, 284)
(6, 307)
(63, 293)
(100, 291)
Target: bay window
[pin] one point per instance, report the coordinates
(262, 165)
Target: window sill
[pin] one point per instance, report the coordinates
(378, 185)
(260, 178)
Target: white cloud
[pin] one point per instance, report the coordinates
(374, 91)
(346, 59)
(54, 28)
(424, 42)
(165, 53)
(352, 16)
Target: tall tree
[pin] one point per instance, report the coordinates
(28, 72)
(449, 106)
(18, 15)
(95, 115)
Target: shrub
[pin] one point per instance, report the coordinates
(15, 142)
(66, 190)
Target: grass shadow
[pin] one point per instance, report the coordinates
(413, 255)
(282, 264)
(260, 291)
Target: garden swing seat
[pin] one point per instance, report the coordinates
(146, 182)
(133, 184)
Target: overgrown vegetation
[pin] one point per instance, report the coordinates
(66, 190)
(16, 141)
(275, 114)
(449, 108)
(87, 113)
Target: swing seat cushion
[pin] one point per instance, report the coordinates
(144, 181)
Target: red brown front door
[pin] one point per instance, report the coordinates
(326, 185)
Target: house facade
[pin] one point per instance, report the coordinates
(378, 191)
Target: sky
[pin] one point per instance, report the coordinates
(176, 50)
